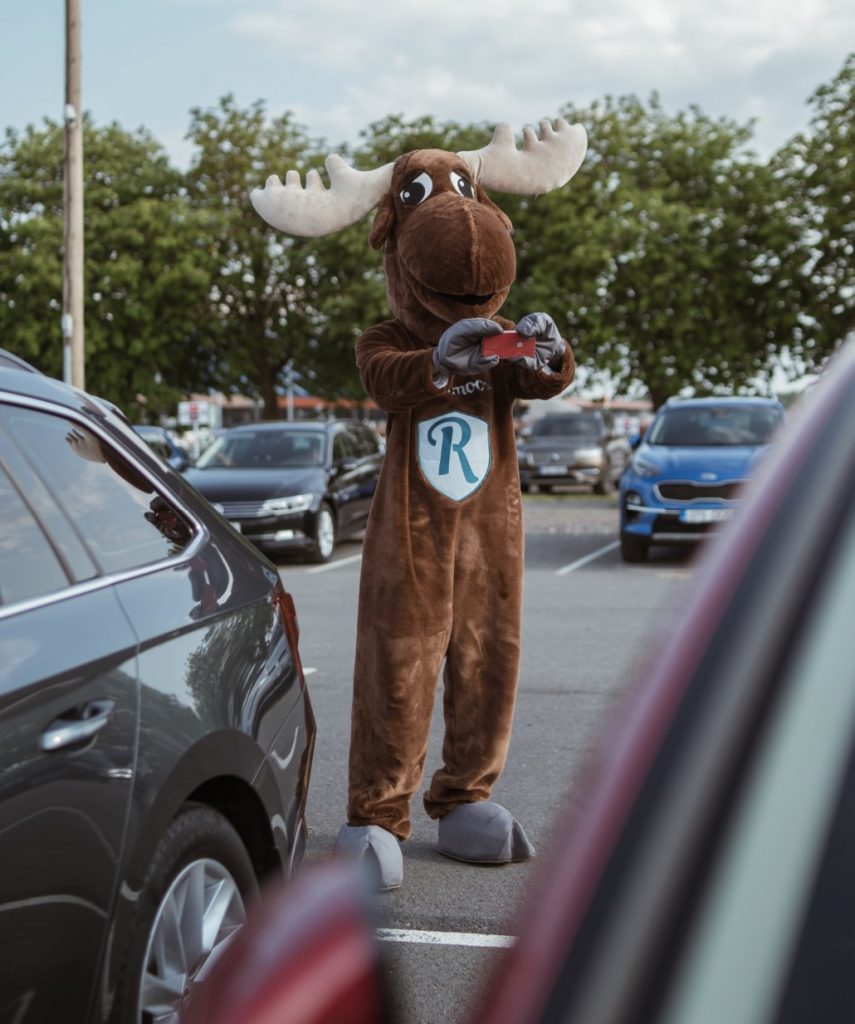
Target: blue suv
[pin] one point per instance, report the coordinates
(686, 474)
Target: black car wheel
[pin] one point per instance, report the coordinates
(632, 549)
(323, 541)
(192, 901)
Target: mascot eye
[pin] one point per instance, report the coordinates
(463, 185)
(418, 190)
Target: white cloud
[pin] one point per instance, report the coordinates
(519, 60)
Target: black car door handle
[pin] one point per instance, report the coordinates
(77, 726)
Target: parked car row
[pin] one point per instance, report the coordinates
(157, 734)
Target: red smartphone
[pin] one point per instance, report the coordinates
(508, 345)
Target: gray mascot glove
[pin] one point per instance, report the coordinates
(549, 345)
(458, 351)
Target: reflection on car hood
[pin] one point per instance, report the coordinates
(255, 484)
(730, 462)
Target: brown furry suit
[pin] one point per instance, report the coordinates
(443, 554)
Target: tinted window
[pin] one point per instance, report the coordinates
(570, 425)
(364, 440)
(343, 447)
(715, 425)
(29, 567)
(271, 449)
(116, 511)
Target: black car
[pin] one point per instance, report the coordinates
(571, 448)
(157, 735)
(293, 485)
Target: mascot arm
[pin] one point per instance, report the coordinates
(397, 377)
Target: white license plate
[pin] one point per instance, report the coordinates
(705, 515)
(553, 470)
(236, 525)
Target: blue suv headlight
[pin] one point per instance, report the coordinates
(645, 466)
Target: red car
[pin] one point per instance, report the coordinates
(709, 876)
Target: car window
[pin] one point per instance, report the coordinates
(769, 933)
(157, 445)
(29, 566)
(715, 425)
(264, 449)
(364, 440)
(569, 425)
(123, 521)
(343, 447)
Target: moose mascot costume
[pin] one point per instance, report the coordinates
(442, 563)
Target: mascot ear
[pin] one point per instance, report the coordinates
(383, 221)
(485, 200)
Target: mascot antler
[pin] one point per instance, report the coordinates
(540, 166)
(312, 211)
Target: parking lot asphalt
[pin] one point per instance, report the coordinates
(589, 622)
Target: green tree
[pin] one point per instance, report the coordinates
(661, 257)
(817, 170)
(276, 301)
(144, 280)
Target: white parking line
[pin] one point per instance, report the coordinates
(588, 558)
(444, 938)
(334, 565)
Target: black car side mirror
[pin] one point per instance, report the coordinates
(346, 464)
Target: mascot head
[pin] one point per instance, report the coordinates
(447, 248)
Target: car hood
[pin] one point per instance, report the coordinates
(255, 484)
(730, 462)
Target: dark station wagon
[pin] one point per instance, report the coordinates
(156, 734)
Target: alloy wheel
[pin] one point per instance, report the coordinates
(199, 913)
(325, 533)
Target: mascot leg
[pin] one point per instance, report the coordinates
(481, 672)
(393, 694)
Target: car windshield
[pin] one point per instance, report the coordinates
(264, 449)
(715, 425)
(569, 425)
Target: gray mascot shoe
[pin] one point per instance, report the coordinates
(483, 833)
(377, 849)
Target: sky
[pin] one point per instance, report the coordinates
(339, 65)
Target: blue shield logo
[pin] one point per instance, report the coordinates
(454, 453)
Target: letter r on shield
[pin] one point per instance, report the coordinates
(454, 453)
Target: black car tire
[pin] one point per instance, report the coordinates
(632, 549)
(198, 839)
(324, 538)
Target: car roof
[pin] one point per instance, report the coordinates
(272, 425)
(34, 384)
(724, 400)
(8, 360)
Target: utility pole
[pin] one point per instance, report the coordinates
(72, 277)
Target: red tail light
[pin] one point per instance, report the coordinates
(288, 613)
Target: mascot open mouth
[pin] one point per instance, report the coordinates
(467, 300)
